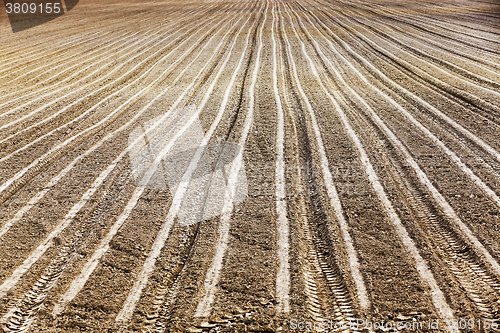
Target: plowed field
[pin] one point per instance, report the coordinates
(251, 166)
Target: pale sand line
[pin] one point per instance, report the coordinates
(134, 295)
(40, 250)
(426, 275)
(103, 247)
(282, 225)
(354, 265)
(209, 288)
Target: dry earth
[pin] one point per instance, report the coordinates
(370, 139)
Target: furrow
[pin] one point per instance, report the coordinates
(90, 266)
(160, 312)
(438, 298)
(10, 186)
(40, 250)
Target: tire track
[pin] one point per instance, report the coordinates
(41, 249)
(134, 295)
(166, 292)
(481, 287)
(209, 289)
(87, 270)
(437, 296)
(446, 240)
(411, 113)
(14, 183)
(328, 179)
(323, 281)
(21, 316)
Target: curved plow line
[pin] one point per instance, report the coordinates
(433, 79)
(34, 200)
(101, 78)
(282, 226)
(56, 179)
(76, 35)
(441, 201)
(134, 295)
(335, 202)
(426, 105)
(9, 182)
(440, 43)
(90, 36)
(209, 288)
(426, 276)
(470, 20)
(67, 107)
(38, 92)
(103, 247)
(80, 71)
(40, 250)
(23, 96)
(410, 42)
(47, 67)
